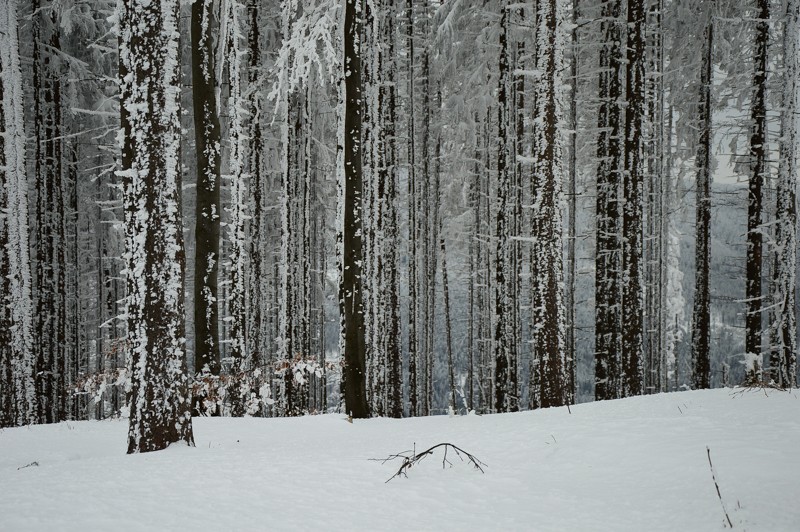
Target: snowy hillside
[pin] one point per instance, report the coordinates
(633, 464)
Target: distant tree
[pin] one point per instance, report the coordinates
(160, 412)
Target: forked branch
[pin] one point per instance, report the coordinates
(410, 458)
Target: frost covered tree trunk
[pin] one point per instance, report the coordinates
(451, 400)
(17, 388)
(413, 237)
(350, 239)
(653, 198)
(571, 274)
(783, 356)
(392, 278)
(548, 175)
(208, 210)
(240, 388)
(701, 313)
(759, 165)
(506, 395)
(160, 412)
(50, 237)
(257, 301)
(608, 289)
(632, 216)
(427, 266)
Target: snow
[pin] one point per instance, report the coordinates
(627, 465)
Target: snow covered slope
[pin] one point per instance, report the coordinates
(630, 465)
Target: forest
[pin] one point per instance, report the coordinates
(273, 209)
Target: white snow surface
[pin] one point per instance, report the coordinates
(628, 465)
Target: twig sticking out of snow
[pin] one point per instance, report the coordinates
(714, 478)
(410, 458)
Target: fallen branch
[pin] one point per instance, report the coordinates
(410, 458)
(714, 478)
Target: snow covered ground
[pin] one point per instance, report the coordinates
(630, 465)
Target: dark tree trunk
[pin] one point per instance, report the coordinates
(350, 286)
(413, 277)
(505, 397)
(547, 272)
(759, 165)
(608, 290)
(701, 314)
(632, 218)
(150, 115)
(50, 257)
(208, 211)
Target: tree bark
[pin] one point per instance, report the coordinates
(208, 210)
(154, 256)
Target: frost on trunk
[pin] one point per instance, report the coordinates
(783, 356)
(547, 275)
(243, 390)
(673, 312)
(701, 313)
(380, 218)
(608, 289)
(759, 165)
(413, 251)
(654, 239)
(632, 353)
(506, 394)
(258, 310)
(207, 150)
(154, 257)
(391, 277)
(350, 239)
(50, 235)
(17, 390)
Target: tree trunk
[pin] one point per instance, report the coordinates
(760, 167)
(547, 273)
(783, 360)
(701, 314)
(207, 223)
(608, 290)
(505, 397)
(352, 344)
(150, 117)
(632, 226)
(17, 396)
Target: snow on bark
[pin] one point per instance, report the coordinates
(350, 250)
(547, 270)
(783, 327)
(632, 325)
(243, 390)
(506, 394)
(608, 289)
(154, 255)
(208, 215)
(701, 313)
(759, 165)
(17, 398)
